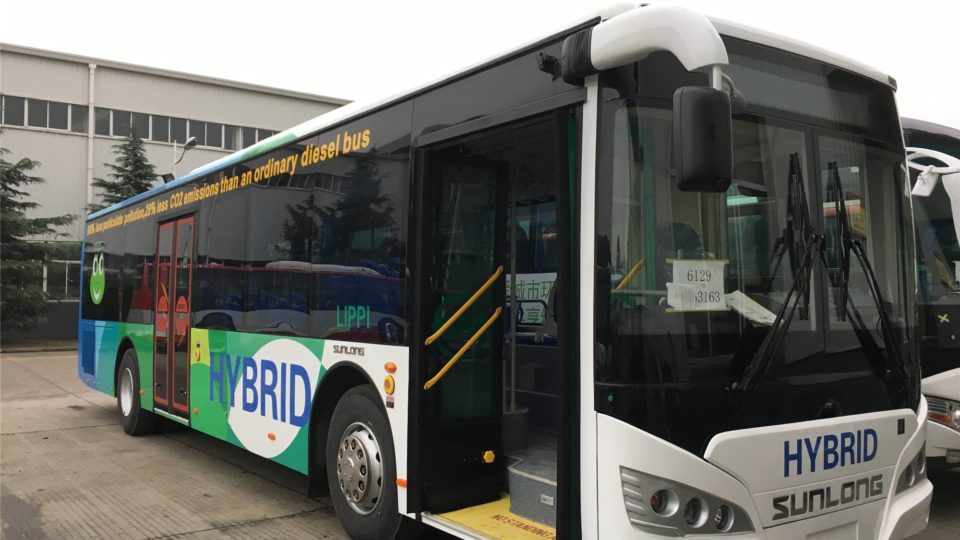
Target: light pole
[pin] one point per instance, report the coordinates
(191, 142)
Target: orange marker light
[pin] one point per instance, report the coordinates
(141, 391)
(389, 385)
(196, 411)
(402, 482)
(390, 367)
(271, 436)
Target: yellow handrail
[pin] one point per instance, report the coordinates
(466, 347)
(446, 326)
(633, 271)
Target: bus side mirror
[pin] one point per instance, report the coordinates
(702, 139)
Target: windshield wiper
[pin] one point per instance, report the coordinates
(778, 330)
(798, 228)
(845, 244)
(801, 242)
(844, 239)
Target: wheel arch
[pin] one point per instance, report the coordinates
(340, 378)
(125, 343)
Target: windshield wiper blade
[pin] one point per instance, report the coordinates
(778, 330)
(798, 229)
(844, 239)
(845, 244)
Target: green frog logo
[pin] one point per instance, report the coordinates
(98, 277)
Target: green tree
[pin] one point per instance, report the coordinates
(21, 261)
(131, 175)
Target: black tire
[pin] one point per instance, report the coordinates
(360, 407)
(135, 421)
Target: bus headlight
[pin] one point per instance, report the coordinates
(944, 411)
(915, 471)
(665, 507)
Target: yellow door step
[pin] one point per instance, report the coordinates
(495, 520)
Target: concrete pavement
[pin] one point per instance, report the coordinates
(67, 470)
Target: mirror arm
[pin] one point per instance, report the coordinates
(716, 77)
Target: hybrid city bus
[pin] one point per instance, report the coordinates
(650, 275)
(933, 155)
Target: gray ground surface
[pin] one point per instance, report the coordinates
(67, 470)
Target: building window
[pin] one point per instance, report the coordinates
(231, 137)
(13, 110)
(178, 130)
(161, 128)
(37, 112)
(141, 125)
(58, 115)
(197, 129)
(61, 279)
(214, 135)
(249, 137)
(121, 123)
(41, 113)
(101, 121)
(79, 118)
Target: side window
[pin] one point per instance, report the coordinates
(359, 260)
(103, 275)
(279, 247)
(79, 118)
(13, 110)
(313, 246)
(101, 121)
(219, 278)
(178, 130)
(138, 272)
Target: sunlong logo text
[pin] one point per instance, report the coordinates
(812, 501)
(825, 452)
(280, 391)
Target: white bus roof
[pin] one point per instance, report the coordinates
(357, 109)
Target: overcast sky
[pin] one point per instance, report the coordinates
(363, 50)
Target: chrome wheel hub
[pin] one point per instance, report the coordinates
(126, 392)
(360, 468)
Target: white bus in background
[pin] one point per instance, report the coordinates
(933, 155)
(717, 334)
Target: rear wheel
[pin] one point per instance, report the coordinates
(361, 470)
(135, 421)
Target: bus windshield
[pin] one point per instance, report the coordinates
(938, 245)
(689, 285)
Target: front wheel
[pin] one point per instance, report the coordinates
(135, 421)
(361, 470)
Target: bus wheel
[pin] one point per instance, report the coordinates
(361, 469)
(135, 421)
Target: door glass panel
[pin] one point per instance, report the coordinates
(464, 258)
(162, 307)
(181, 314)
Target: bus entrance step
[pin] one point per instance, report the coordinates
(532, 477)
